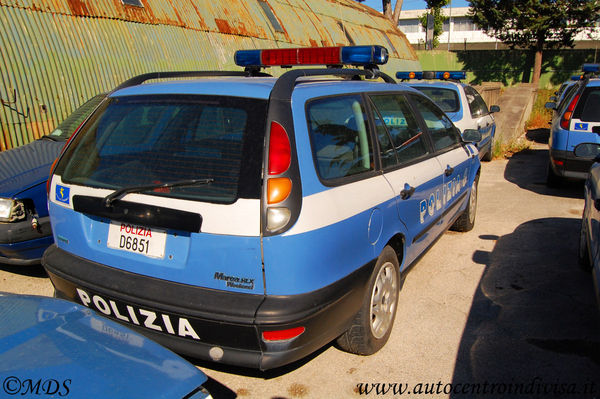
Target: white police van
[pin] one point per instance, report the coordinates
(250, 220)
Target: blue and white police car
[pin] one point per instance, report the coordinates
(460, 101)
(250, 220)
(576, 120)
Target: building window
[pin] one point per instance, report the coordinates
(135, 3)
(463, 25)
(409, 25)
(269, 13)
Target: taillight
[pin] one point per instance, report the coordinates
(565, 121)
(278, 188)
(282, 335)
(280, 153)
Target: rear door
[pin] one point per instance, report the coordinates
(453, 156)
(411, 170)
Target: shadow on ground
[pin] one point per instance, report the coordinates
(534, 326)
(527, 169)
(36, 271)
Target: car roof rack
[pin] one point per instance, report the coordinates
(139, 79)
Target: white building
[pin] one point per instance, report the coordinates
(460, 33)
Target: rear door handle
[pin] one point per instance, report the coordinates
(448, 170)
(407, 192)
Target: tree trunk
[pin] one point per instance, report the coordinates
(397, 10)
(387, 8)
(537, 68)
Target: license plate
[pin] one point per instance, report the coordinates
(137, 239)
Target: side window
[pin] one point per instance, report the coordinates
(340, 138)
(476, 104)
(400, 129)
(443, 133)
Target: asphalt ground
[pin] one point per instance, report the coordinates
(502, 311)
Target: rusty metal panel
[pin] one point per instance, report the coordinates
(58, 53)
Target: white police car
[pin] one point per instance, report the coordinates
(250, 220)
(460, 101)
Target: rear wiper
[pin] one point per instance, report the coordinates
(108, 200)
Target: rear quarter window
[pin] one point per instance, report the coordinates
(340, 137)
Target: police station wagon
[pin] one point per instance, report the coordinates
(250, 220)
(460, 101)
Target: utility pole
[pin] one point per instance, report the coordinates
(449, 24)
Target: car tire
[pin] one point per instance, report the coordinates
(487, 157)
(466, 221)
(552, 179)
(372, 325)
(583, 254)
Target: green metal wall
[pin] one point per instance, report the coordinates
(55, 54)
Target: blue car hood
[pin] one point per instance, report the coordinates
(75, 353)
(24, 167)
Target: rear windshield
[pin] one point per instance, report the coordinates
(588, 107)
(446, 99)
(146, 140)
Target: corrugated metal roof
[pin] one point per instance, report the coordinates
(58, 53)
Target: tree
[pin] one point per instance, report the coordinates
(387, 10)
(435, 7)
(537, 25)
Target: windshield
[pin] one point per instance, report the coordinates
(150, 140)
(65, 129)
(446, 99)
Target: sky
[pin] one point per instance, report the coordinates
(412, 4)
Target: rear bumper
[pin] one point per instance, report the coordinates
(210, 324)
(566, 164)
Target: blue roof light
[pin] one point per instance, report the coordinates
(593, 68)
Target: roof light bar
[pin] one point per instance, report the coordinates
(350, 55)
(593, 68)
(442, 75)
(577, 77)
(409, 75)
(445, 75)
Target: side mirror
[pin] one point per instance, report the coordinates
(587, 151)
(471, 136)
(553, 98)
(494, 109)
(550, 105)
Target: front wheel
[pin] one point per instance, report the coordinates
(466, 221)
(373, 323)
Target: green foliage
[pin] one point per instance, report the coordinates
(435, 7)
(534, 24)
